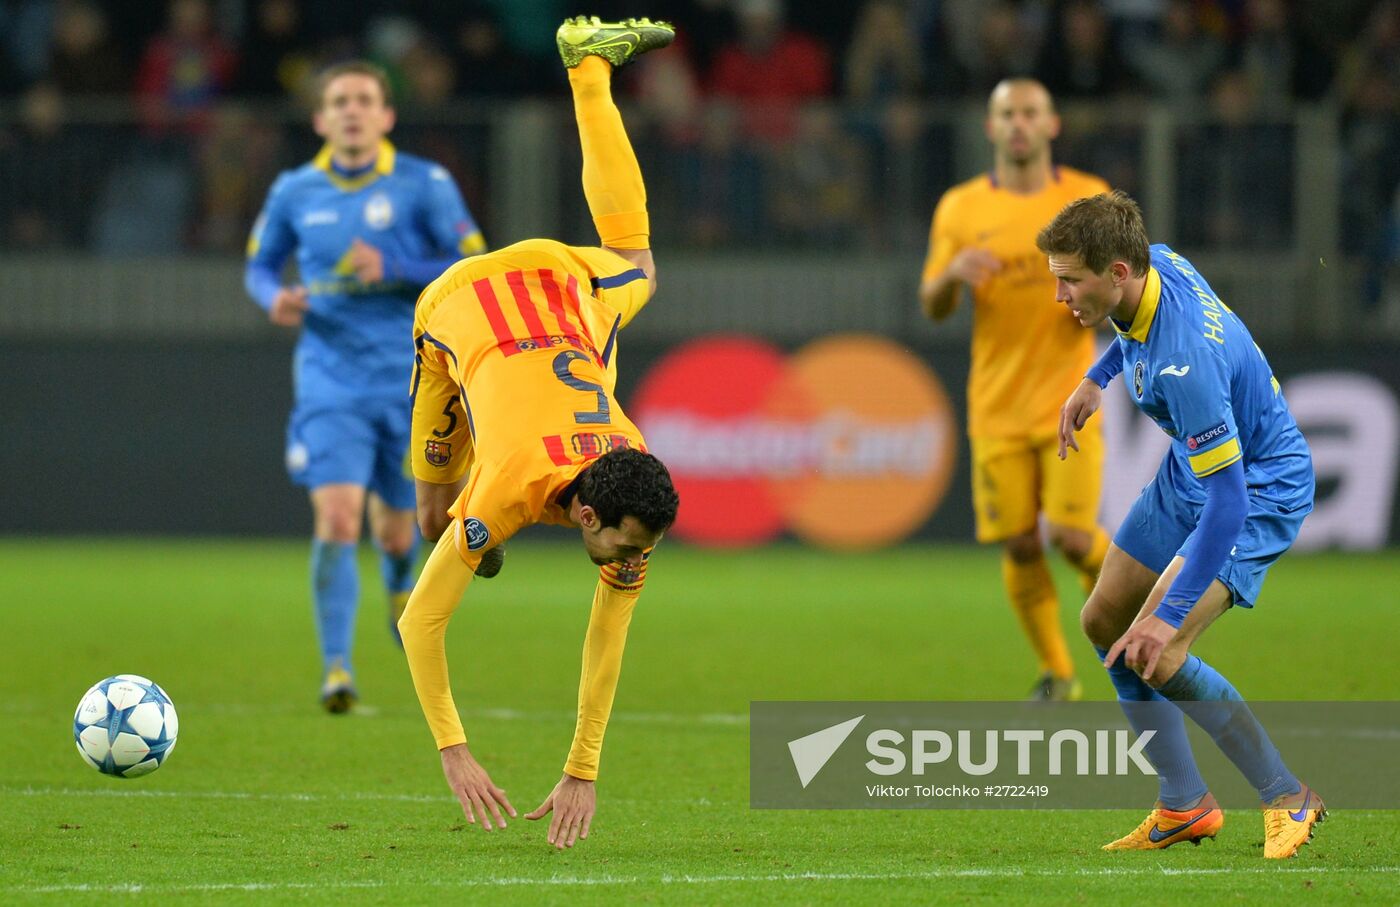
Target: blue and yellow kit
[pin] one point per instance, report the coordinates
(355, 349)
(1193, 368)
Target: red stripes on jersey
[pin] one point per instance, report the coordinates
(487, 295)
(563, 308)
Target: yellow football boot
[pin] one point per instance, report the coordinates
(338, 691)
(1290, 821)
(1164, 827)
(616, 42)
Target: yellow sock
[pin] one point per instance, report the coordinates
(1090, 564)
(1033, 598)
(612, 179)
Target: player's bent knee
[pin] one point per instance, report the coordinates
(340, 527)
(1023, 548)
(1095, 626)
(1074, 544)
(432, 523)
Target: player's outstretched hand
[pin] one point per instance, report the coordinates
(1142, 646)
(973, 265)
(288, 307)
(367, 261)
(473, 787)
(1082, 404)
(573, 802)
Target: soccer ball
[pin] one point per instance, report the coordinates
(125, 726)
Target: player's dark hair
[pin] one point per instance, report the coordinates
(353, 68)
(1100, 229)
(628, 482)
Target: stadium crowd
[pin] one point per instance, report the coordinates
(130, 127)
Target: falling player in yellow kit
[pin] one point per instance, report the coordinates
(1027, 354)
(514, 423)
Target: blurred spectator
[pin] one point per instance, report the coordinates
(1081, 59)
(1236, 185)
(486, 65)
(83, 59)
(43, 195)
(912, 163)
(1180, 63)
(184, 68)
(1279, 59)
(883, 58)
(25, 29)
(1369, 88)
(238, 158)
(769, 69)
(719, 187)
(277, 59)
(820, 184)
(429, 78)
(992, 41)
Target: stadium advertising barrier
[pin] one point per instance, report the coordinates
(1050, 755)
(849, 442)
(189, 437)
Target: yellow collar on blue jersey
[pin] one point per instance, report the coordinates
(383, 166)
(1147, 309)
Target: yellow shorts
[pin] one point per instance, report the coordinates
(1014, 480)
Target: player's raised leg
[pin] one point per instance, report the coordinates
(612, 179)
(1184, 811)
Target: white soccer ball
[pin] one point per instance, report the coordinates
(125, 726)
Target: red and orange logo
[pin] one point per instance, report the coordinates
(849, 443)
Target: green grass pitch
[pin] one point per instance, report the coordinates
(267, 800)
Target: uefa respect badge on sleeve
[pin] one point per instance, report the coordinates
(1058, 755)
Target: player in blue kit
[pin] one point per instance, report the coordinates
(1227, 501)
(371, 227)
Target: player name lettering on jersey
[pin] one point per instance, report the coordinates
(1211, 306)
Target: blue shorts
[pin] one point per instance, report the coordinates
(1162, 517)
(360, 443)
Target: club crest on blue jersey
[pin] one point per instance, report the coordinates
(379, 211)
(1137, 379)
(438, 453)
(477, 533)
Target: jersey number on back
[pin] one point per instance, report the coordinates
(603, 414)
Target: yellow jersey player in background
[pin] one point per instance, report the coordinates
(514, 423)
(1027, 354)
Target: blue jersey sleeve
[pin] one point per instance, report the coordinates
(1195, 385)
(450, 227)
(449, 222)
(1208, 547)
(270, 242)
(1109, 366)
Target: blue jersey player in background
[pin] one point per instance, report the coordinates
(371, 227)
(1227, 501)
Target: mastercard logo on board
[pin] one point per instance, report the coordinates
(849, 442)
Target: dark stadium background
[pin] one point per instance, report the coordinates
(143, 392)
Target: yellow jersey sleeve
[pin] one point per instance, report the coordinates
(943, 242)
(619, 588)
(495, 512)
(440, 446)
(614, 281)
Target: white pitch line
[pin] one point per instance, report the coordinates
(567, 881)
(289, 796)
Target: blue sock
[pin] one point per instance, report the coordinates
(397, 570)
(335, 586)
(1215, 705)
(1180, 783)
